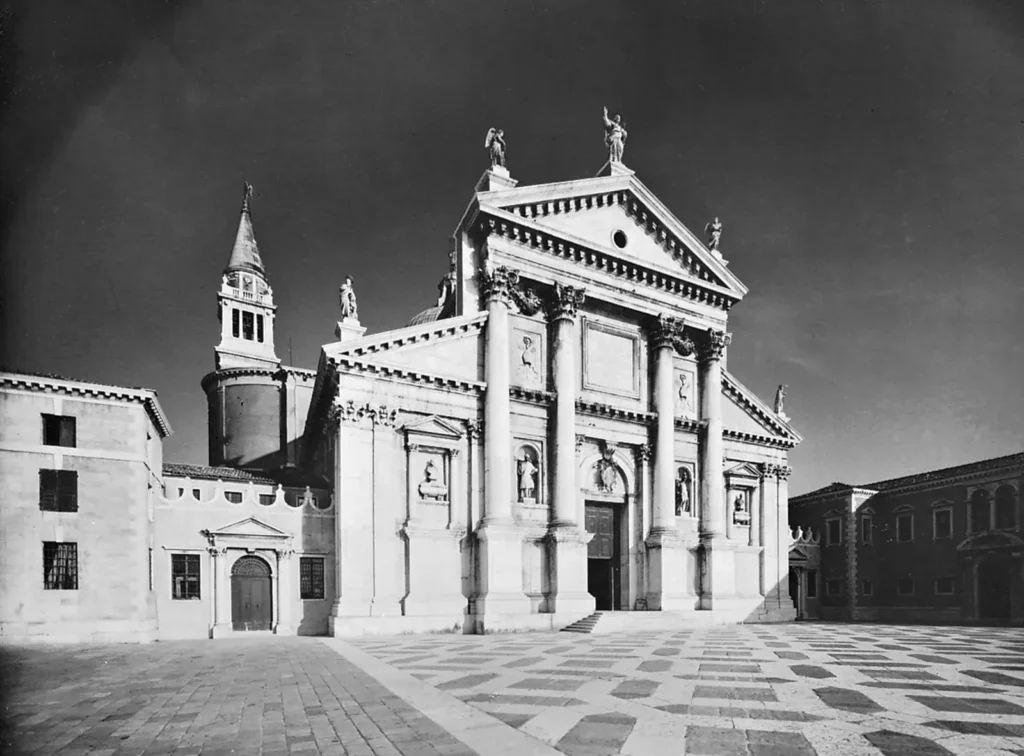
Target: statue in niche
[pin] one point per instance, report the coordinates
(614, 136)
(714, 232)
(607, 474)
(683, 481)
(685, 394)
(347, 301)
(527, 470)
(740, 515)
(247, 284)
(432, 486)
(528, 357)
(495, 144)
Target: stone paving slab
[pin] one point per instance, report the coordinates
(799, 689)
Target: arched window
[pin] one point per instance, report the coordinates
(1006, 507)
(981, 513)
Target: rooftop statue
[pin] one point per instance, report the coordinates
(780, 398)
(246, 196)
(714, 232)
(614, 136)
(495, 143)
(347, 301)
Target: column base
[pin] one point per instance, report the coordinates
(386, 606)
(221, 630)
(669, 581)
(434, 606)
(284, 629)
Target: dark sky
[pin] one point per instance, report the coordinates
(866, 159)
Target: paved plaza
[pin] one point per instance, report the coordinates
(760, 690)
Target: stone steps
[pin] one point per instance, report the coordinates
(600, 623)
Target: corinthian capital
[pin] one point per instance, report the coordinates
(498, 283)
(715, 344)
(783, 472)
(667, 331)
(566, 301)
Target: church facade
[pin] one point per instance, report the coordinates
(559, 434)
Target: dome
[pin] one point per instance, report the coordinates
(429, 315)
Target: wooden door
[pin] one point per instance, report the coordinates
(602, 556)
(994, 587)
(251, 594)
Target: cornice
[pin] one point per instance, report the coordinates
(534, 236)
(146, 397)
(598, 409)
(239, 372)
(347, 364)
(755, 438)
(412, 335)
(531, 396)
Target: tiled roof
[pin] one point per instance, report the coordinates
(958, 471)
(286, 476)
(923, 478)
(830, 488)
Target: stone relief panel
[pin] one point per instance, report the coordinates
(611, 359)
(527, 360)
(685, 393)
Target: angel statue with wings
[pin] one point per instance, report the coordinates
(495, 143)
(614, 136)
(714, 232)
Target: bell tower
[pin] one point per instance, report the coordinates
(245, 303)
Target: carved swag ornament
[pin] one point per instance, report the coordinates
(500, 283)
(667, 331)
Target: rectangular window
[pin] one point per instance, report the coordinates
(865, 530)
(197, 494)
(235, 497)
(834, 587)
(60, 566)
(259, 328)
(833, 531)
(267, 499)
(905, 528)
(311, 577)
(812, 584)
(905, 586)
(942, 522)
(58, 490)
(234, 323)
(981, 515)
(184, 576)
(59, 430)
(944, 586)
(247, 326)
(867, 588)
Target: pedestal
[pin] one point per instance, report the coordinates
(569, 557)
(718, 573)
(667, 574)
(501, 572)
(348, 329)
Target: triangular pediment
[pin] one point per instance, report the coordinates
(433, 427)
(450, 348)
(250, 527)
(746, 415)
(591, 211)
(743, 470)
(797, 555)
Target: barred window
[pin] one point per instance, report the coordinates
(259, 328)
(58, 490)
(905, 528)
(59, 430)
(942, 521)
(247, 326)
(234, 322)
(60, 566)
(185, 576)
(311, 577)
(833, 531)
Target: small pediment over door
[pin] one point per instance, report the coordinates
(250, 526)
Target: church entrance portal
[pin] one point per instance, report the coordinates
(603, 556)
(250, 594)
(995, 583)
